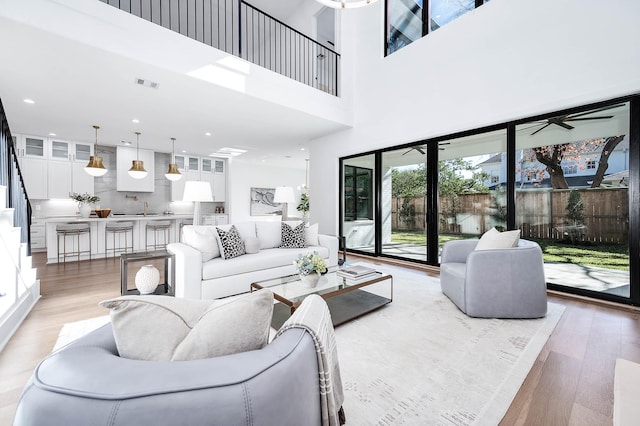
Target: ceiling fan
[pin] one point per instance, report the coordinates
(420, 149)
(561, 120)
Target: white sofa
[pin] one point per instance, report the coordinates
(218, 277)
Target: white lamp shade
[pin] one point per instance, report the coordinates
(94, 171)
(172, 176)
(137, 174)
(197, 191)
(284, 194)
(147, 279)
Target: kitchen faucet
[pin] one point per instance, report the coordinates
(146, 205)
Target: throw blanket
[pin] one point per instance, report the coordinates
(313, 315)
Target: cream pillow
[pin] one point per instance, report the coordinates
(251, 245)
(203, 239)
(311, 235)
(162, 328)
(494, 239)
(268, 234)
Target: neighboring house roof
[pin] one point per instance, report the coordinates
(572, 181)
(497, 158)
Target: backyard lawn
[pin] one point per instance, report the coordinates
(601, 256)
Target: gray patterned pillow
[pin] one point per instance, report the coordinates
(293, 237)
(231, 245)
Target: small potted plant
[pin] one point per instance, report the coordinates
(309, 267)
(84, 202)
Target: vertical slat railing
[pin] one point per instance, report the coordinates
(236, 27)
(11, 177)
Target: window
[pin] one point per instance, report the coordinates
(591, 164)
(570, 169)
(358, 193)
(495, 178)
(409, 20)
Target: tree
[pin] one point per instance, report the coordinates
(575, 209)
(551, 156)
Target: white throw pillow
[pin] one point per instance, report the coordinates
(251, 245)
(190, 328)
(268, 234)
(203, 239)
(311, 235)
(494, 239)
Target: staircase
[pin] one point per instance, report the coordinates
(19, 288)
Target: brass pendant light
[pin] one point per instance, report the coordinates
(95, 166)
(173, 174)
(137, 170)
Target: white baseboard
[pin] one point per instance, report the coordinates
(11, 320)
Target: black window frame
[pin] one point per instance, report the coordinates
(352, 210)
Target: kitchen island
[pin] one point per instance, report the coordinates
(97, 226)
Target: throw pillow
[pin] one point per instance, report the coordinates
(251, 245)
(231, 245)
(311, 235)
(191, 329)
(293, 237)
(268, 234)
(494, 239)
(203, 239)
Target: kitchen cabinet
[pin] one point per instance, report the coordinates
(71, 151)
(38, 240)
(30, 146)
(212, 170)
(34, 173)
(65, 177)
(124, 182)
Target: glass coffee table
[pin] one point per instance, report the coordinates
(346, 300)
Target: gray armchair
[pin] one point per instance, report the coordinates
(87, 383)
(500, 283)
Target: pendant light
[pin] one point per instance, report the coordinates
(137, 170)
(173, 174)
(95, 166)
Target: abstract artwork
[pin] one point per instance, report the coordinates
(262, 202)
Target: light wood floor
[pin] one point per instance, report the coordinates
(571, 382)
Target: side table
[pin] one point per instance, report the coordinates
(166, 288)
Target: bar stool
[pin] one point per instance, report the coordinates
(158, 227)
(119, 228)
(182, 224)
(65, 230)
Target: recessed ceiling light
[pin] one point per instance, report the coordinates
(302, 149)
(29, 101)
(184, 151)
(52, 134)
(135, 120)
(125, 142)
(207, 134)
(228, 152)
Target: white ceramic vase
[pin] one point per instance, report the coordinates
(147, 279)
(85, 209)
(310, 280)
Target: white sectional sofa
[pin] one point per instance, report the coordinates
(199, 276)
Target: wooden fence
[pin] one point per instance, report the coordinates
(540, 213)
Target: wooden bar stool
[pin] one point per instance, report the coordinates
(121, 228)
(66, 230)
(159, 228)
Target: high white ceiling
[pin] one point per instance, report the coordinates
(76, 85)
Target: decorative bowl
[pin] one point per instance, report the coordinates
(103, 212)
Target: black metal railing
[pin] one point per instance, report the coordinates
(240, 29)
(11, 177)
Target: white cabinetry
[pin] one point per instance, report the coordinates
(31, 146)
(34, 173)
(38, 240)
(124, 182)
(65, 177)
(71, 151)
(207, 169)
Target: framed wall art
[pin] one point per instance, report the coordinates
(262, 202)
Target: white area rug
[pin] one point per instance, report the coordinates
(420, 361)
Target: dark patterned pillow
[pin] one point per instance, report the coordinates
(293, 237)
(231, 245)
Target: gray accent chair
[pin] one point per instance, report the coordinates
(87, 383)
(499, 283)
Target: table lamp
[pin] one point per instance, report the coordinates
(197, 191)
(284, 195)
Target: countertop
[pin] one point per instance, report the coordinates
(111, 217)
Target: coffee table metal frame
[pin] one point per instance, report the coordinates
(331, 287)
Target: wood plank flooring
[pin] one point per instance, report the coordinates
(571, 382)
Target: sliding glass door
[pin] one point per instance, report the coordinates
(572, 196)
(358, 201)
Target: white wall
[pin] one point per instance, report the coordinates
(244, 176)
(506, 60)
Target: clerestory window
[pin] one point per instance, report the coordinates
(409, 20)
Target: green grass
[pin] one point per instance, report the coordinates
(609, 256)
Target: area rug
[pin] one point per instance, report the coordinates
(420, 361)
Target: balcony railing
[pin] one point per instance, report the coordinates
(236, 27)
